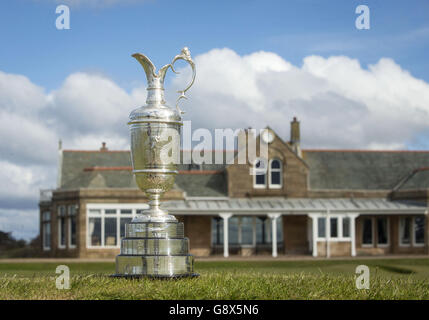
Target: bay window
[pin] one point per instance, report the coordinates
(94, 230)
(367, 231)
(419, 231)
(382, 232)
(346, 227)
(46, 230)
(321, 227)
(72, 210)
(412, 231)
(62, 227)
(126, 217)
(339, 228)
(405, 231)
(110, 231)
(246, 231)
(334, 227)
(106, 223)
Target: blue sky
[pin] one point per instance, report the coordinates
(258, 63)
(102, 38)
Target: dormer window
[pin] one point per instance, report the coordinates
(260, 174)
(275, 175)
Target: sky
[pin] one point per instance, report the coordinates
(258, 63)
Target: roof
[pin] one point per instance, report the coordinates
(291, 206)
(209, 185)
(418, 179)
(329, 169)
(363, 170)
(74, 163)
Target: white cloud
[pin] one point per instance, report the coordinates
(89, 103)
(25, 139)
(18, 94)
(340, 105)
(21, 182)
(93, 141)
(24, 224)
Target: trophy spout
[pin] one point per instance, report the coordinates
(147, 65)
(155, 81)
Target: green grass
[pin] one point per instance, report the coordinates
(321, 279)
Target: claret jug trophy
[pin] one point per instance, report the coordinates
(154, 244)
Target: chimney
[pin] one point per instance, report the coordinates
(295, 137)
(103, 147)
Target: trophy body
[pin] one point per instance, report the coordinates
(154, 244)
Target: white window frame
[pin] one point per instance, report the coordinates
(368, 245)
(214, 226)
(61, 215)
(259, 186)
(406, 245)
(268, 232)
(414, 232)
(69, 218)
(338, 227)
(46, 221)
(110, 206)
(342, 227)
(317, 228)
(340, 237)
(383, 245)
(280, 170)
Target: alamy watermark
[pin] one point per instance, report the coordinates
(362, 280)
(63, 20)
(362, 22)
(63, 280)
(242, 145)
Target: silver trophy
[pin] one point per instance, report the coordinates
(154, 244)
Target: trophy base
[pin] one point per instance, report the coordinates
(155, 250)
(159, 277)
(146, 217)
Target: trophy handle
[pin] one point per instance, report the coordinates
(184, 55)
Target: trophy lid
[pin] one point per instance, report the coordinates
(155, 113)
(156, 109)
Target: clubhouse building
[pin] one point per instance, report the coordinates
(323, 203)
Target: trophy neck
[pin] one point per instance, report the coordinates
(155, 92)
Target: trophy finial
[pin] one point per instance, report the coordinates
(155, 80)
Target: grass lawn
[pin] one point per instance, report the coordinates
(329, 279)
